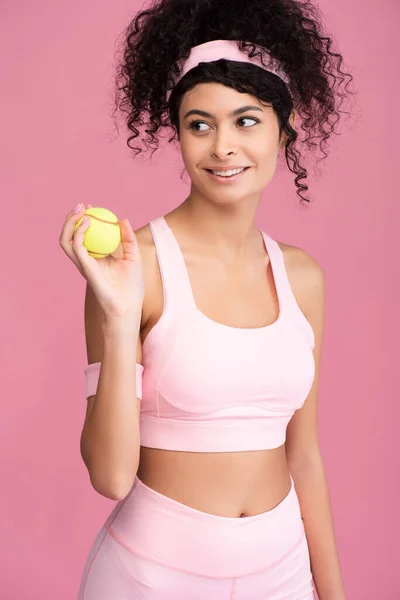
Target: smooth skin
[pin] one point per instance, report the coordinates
(227, 265)
(232, 284)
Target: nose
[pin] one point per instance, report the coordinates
(223, 144)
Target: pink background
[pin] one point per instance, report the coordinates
(57, 149)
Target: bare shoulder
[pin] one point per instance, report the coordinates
(299, 258)
(306, 277)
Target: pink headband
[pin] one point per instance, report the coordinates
(210, 51)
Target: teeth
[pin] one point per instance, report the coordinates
(228, 173)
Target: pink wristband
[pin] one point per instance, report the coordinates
(92, 373)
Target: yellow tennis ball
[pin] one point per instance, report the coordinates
(103, 236)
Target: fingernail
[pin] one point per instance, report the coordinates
(78, 208)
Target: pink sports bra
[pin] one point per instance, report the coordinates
(209, 387)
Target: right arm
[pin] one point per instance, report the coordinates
(110, 440)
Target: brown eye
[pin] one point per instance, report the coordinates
(249, 119)
(193, 124)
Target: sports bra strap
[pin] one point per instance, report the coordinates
(278, 270)
(287, 299)
(175, 280)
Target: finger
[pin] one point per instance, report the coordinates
(128, 241)
(85, 261)
(76, 251)
(67, 232)
(119, 252)
(67, 235)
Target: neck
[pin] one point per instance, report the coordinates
(226, 231)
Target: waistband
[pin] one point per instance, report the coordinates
(173, 534)
(230, 435)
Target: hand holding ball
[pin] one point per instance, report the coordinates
(103, 236)
(117, 280)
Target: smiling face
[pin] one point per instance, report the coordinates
(221, 128)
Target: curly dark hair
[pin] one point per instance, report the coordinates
(162, 35)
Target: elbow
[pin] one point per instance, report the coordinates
(121, 489)
(115, 485)
(114, 490)
(108, 483)
(111, 482)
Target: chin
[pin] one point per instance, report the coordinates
(228, 197)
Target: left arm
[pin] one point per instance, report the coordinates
(303, 452)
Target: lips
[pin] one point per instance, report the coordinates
(231, 168)
(225, 170)
(224, 178)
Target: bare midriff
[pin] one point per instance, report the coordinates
(226, 484)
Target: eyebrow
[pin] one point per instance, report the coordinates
(238, 111)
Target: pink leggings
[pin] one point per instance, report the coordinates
(154, 548)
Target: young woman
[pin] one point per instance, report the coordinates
(217, 469)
